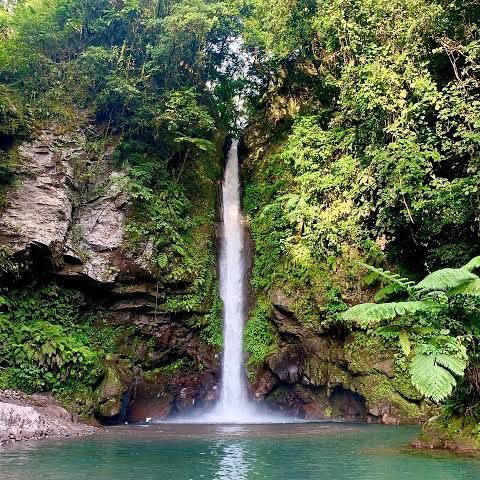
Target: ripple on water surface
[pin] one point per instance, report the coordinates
(235, 452)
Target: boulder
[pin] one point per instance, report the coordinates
(24, 417)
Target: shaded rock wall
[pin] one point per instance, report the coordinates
(66, 218)
(317, 374)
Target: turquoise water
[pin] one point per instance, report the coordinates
(277, 452)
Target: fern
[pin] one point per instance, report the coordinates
(396, 282)
(387, 291)
(404, 340)
(200, 143)
(439, 357)
(455, 365)
(371, 314)
(430, 378)
(470, 288)
(445, 279)
(432, 375)
(473, 264)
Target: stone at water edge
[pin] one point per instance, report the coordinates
(24, 417)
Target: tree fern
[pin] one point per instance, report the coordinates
(396, 282)
(432, 375)
(445, 279)
(473, 264)
(470, 288)
(371, 314)
(439, 356)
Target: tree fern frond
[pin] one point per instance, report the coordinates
(473, 264)
(404, 339)
(403, 284)
(387, 291)
(469, 288)
(445, 279)
(370, 314)
(430, 378)
(453, 364)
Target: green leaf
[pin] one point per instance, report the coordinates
(473, 264)
(431, 379)
(200, 143)
(401, 284)
(433, 376)
(369, 314)
(404, 340)
(445, 279)
(469, 288)
(455, 365)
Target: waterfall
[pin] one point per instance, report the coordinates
(234, 401)
(234, 406)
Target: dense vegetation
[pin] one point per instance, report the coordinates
(363, 156)
(365, 151)
(148, 76)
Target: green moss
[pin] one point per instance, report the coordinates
(363, 351)
(378, 390)
(457, 433)
(259, 338)
(212, 331)
(181, 365)
(280, 394)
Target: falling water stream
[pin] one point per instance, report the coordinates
(234, 405)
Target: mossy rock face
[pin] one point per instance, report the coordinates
(111, 408)
(459, 434)
(339, 377)
(82, 403)
(367, 355)
(384, 401)
(114, 386)
(316, 371)
(319, 403)
(403, 385)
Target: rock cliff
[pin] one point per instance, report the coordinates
(317, 374)
(64, 221)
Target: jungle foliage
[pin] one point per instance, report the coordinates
(153, 79)
(436, 324)
(365, 149)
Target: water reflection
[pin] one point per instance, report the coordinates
(234, 463)
(233, 452)
(273, 452)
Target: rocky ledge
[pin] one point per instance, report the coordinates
(458, 434)
(24, 417)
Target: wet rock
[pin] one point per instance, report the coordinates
(68, 215)
(24, 417)
(149, 401)
(114, 386)
(287, 364)
(318, 403)
(386, 366)
(265, 382)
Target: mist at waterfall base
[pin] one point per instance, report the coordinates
(234, 405)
